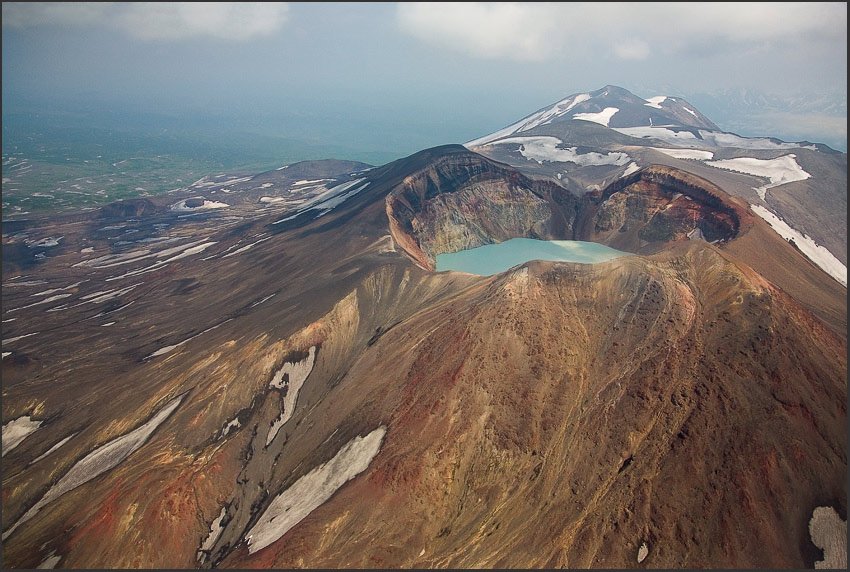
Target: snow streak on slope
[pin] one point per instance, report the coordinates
(546, 149)
(781, 170)
(16, 431)
(329, 199)
(686, 153)
(656, 101)
(602, 118)
(100, 460)
(815, 252)
(533, 120)
(307, 493)
(296, 373)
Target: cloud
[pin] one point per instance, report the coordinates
(541, 31)
(153, 21)
(631, 50)
(486, 30)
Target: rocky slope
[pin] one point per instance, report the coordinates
(296, 388)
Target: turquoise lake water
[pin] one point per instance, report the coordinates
(494, 258)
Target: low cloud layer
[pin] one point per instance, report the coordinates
(155, 21)
(540, 31)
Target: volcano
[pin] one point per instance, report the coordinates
(277, 376)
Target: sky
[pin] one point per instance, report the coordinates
(401, 77)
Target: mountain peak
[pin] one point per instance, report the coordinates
(611, 106)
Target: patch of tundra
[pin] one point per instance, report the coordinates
(829, 533)
(602, 118)
(16, 431)
(168, 349)
(105, 457)
(546, 148)
(296, 373)
(53, 448)
(779, 171)
(813, 251)
(309, 492)
(686, 153)
(215, 532)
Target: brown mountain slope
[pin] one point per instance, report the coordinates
(561, 415)
(554, 415)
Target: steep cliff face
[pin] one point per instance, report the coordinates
(661, 204)
(464, 200)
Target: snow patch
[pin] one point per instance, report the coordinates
(207, 205)
(779, 171)
(546, 149)
(16, 431)
(53, 448)
(16, 338)
(309, 492)
(602, 118)
(643, 551)
(632, 168)
(328, 199)
(539, 118)
(815, 252)
(50, 562)
(215, 532)
(691, 111)
(168, 349)
(246, 247)
(655, 101)
(661, 133)
(686, 153)
(230, 426)
(102, 459)
(296, 374)
(829, 533)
